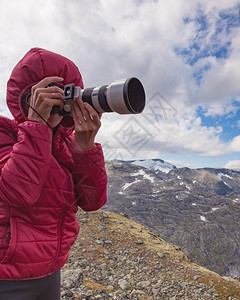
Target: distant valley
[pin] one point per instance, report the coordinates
(196, 209)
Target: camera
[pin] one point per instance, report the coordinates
(124, 96)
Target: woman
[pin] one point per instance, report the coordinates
(50, 165)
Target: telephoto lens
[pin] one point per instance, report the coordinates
(125, 96)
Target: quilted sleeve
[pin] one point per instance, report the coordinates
(90, 178)
(24, 162)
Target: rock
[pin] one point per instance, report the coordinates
(155, 292)
(124, 285)
(177, 248)
(71, 278)
(124, 215)
(103, 217)
(161, 254)
(83, 221)
(100, 242)
(77, 296)
(144, 284)
(67, 294)
(108, 243)
(139, 242)
(101, 228)
(105, 273)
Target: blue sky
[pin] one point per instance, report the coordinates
(219, 46)
(186, 53)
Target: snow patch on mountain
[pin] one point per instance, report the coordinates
(220, 175)
(237, 200)
(145, 176)
(203, 218)
(127, 185)
(155, 165)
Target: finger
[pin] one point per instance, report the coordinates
(54, 89)
(95, 116)
(74, 115)
(55, 92)
(90, 109)
(42, 94)
(47, 99)
(49, 102)
(80, 109)
(56, 96)
(46, 81)
(77, 117)
(77, 113)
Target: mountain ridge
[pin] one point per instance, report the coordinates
(155, 164)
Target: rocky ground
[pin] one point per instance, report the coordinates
(117, 258)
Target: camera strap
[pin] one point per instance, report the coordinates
(27, 98)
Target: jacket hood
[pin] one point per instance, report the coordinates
(37, 64)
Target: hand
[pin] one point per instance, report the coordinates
(87, 123)
(43, 99)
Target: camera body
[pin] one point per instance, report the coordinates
(124, 96)
(68, 99)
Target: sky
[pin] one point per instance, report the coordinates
(186, 53)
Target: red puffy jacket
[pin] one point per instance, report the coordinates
(43, 178)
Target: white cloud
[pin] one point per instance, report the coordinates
(233, 164)
(235, 144)
(164, 136)
(110, 40)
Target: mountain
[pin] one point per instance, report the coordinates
(197, 209)
(155, 165)
(117, 258)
